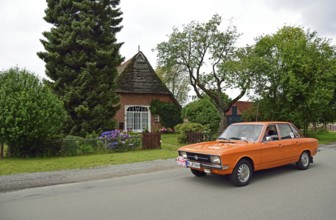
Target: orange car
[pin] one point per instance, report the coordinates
(247, 147)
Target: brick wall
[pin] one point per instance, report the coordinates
(141, 100)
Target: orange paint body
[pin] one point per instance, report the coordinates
(263, 153)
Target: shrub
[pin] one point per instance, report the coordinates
(72, 145)
(184, 128)
(30, 113)
(52, 146)
(86, 149)
(169, 113)
(202, 111)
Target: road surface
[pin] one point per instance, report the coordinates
(281, 193)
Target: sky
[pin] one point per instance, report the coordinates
(147, 23)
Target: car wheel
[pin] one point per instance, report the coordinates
(197, 172)
(304, 161)
(242, 173)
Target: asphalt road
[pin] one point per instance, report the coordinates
(281, 193)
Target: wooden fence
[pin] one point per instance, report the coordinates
(151, 140)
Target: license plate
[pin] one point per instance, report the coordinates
(194, 165)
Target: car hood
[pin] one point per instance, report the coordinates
(212, 147)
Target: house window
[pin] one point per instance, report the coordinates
(137, 118)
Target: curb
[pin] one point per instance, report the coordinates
(38, 179)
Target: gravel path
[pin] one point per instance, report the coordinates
(29, 180)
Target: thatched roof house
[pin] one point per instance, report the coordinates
(138, 85)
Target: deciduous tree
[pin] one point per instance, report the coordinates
(208, 57)
(177, 82)
(296, 75)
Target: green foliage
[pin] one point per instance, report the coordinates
(199, 46)
(169, 113)
(30, 112)
(202, 111)
(295, 78)
(72, 145)
(29, 165)
(86, 149)
(184, 128)
(323, 136)
(82, 56)
(176, 80)
(52, 146)
(75, 145)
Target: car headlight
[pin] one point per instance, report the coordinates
(183, 154)
(215, 159)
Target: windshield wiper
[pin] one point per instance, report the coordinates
(236, 138)
(224, 139)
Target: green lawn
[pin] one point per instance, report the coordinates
(323, 137)
(168, 149)
(168, 143)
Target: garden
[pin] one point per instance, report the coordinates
(169, 146)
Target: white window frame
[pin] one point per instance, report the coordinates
(149, 118)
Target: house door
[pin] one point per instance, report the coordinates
(137, 118)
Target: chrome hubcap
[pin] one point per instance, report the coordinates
(305, 159)
(243, 173)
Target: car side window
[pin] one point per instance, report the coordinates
(295, 131)
(271, 133)
(285, 131)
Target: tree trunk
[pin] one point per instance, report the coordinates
(223, 121)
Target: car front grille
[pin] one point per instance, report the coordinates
(199, 157)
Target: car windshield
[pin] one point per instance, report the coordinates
(244, 132)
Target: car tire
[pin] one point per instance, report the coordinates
(304, 161)
(242, 173)
(197, 173)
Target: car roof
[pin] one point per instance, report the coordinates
(263, 122)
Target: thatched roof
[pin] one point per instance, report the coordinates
(137, 76)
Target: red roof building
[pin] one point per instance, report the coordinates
(234, 114)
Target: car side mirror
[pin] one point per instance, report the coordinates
(268, 138)
(291, 134)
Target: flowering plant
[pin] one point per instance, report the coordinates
(163, 130)
(114, 134)
(117, 140)
(166, 130)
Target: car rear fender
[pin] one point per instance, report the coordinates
(310, 153)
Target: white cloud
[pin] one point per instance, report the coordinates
(148, 22)
(22, 25)
(319, 15)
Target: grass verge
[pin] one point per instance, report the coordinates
(324, 137)
(168, 149)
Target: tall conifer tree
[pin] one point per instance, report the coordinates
(82, 56)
